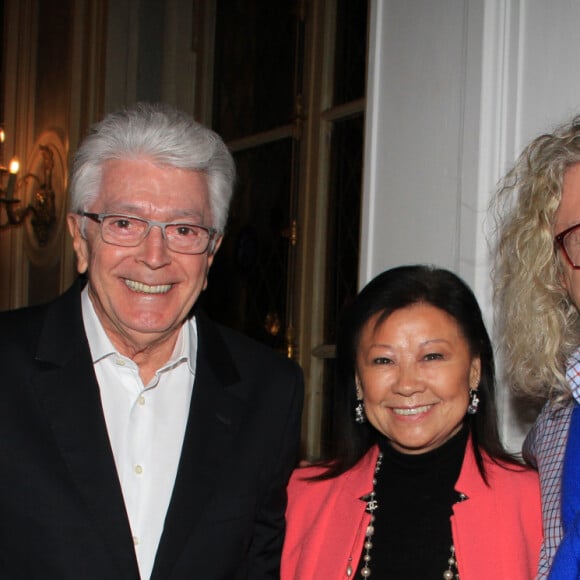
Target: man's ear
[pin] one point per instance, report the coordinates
(215, 246)
(80, 244)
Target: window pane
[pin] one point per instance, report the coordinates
(247, 282)
(351, 51)
(344, 214)
(343, 240)
(254, 66)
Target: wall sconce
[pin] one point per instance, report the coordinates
(41, 209)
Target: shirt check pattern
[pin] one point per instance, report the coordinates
(545, 447)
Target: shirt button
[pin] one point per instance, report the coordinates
(141, 400)
(135, 541)
(120, 362)
(138, 469)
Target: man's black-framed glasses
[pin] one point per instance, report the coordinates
(569, 241)
(129, 231)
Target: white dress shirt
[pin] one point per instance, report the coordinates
(146, 426)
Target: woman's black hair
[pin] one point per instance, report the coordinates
(390, 291)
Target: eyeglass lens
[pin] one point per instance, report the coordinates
(131, 231)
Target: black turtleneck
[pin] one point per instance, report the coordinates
(415, 493)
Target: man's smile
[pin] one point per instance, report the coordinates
(146, 289)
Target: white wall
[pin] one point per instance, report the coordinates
(456, 89)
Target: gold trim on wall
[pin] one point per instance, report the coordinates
(49, 173)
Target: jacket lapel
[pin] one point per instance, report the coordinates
(67, 390)
(473, 509)
(217, 407)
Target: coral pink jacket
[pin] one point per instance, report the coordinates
(497, 531)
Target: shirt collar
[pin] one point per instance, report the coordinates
(101, 346)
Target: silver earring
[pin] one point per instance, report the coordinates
(359, 413)
(473, 402)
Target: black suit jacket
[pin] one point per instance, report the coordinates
(62, 513)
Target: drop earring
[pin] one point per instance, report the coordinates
(359, 410)
(473, 402)
(359, 413)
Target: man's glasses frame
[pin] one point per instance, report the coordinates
(207, 237)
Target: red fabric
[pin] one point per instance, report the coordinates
(497, 532)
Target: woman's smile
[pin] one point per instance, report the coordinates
(406, 411)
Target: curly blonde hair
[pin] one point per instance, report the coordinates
(538, 323)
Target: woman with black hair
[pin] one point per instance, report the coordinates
(418, 484)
